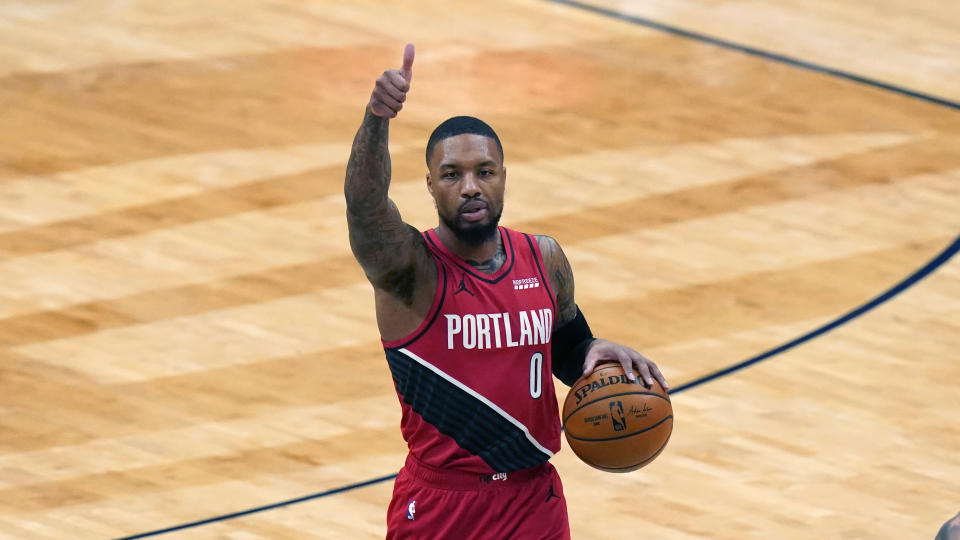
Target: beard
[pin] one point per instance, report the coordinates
(475, 234)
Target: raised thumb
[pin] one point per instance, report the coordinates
(407, 69)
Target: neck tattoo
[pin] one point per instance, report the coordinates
(490, 266)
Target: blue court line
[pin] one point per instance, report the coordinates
(911, 280)
(333, 491)
(783, 59)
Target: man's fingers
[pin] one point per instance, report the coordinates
(590, 364)
(643, 367)
(626, 362)
(407, 69)
(384, 98)
(395, 79)
(655, 371)
(389, 85)
(391, 88)
(649, 371)
(382, 110)
(633, 363)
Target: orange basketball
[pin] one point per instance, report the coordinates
(614, 424)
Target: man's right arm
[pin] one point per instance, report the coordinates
(386, 247)
(392, 254)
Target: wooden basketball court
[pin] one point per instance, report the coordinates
(184, 334)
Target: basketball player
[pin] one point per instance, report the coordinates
(473, 318)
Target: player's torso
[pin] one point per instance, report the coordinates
(474, 380)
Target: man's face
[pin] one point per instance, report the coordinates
(467, 180)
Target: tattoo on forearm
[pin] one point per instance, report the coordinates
(368, 170)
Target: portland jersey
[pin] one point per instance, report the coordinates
(474, 381)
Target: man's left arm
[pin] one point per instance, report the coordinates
(574, 350)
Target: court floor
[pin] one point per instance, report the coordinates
(760, 196)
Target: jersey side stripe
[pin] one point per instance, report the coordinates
(473, 425)
(467, 420)
(481, 426)
(485, 401)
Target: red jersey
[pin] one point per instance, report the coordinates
(474, 380)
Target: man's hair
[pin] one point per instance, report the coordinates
(458, 125)
(950, 529)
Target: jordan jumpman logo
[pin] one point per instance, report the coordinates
(463, 286)
(551, 494)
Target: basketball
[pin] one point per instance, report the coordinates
(615, 424)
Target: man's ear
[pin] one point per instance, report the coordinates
(429, 184)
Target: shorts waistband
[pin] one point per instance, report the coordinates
(463, 480)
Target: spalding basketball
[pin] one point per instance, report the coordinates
(615, 424)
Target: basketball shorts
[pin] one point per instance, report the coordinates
(436, 504)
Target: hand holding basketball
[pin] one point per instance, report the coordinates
(602, 350)
(613, 423)
(391, 88)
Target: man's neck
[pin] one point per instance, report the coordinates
(487, 257)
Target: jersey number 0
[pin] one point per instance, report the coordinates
(536, 375)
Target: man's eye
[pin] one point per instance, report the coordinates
(450, 174)
(486, 172)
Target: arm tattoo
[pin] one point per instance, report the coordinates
(368, 170)
(561, 279)
(382, 243)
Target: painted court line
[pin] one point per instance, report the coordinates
(780, 58)
(333, 491)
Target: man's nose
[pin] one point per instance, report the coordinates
(470, 187)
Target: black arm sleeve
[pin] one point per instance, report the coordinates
(568, 349)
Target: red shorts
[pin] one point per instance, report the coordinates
(430, 503)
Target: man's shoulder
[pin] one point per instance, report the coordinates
(548, 245)
(541, 239)
(549, 248)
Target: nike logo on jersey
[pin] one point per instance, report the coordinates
(498, 330)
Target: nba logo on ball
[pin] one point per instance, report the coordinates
(616, 414)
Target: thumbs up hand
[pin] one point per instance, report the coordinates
(391, 89)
